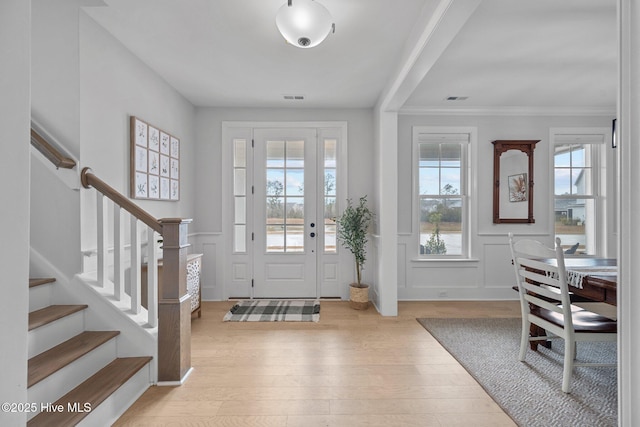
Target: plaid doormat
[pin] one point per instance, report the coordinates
(274, 311)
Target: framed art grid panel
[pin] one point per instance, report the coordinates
(155, 162)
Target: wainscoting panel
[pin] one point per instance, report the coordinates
(208, 276)
(499, 272)
(425, 275)
(210, 245)
(402, 265)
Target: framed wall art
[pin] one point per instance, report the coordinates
(155, 162)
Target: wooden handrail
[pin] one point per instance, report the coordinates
(90, 180)
(51, 152)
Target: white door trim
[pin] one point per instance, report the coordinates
(237, 269)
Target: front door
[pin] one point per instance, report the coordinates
(285, 223)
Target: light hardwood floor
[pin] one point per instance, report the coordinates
(353, 368)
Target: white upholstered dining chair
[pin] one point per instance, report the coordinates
(545, 302)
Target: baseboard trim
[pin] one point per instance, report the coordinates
(176, 383)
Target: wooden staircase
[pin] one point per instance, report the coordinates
(71, 371)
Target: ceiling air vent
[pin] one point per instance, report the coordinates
(294, 97)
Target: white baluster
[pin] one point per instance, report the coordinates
(102, 238)
(152, 278)
(118, 252)
(135, 266)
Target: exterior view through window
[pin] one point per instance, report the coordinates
(442, 190)
(576, 194)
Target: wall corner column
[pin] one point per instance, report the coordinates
(387, 207)
(628, 157)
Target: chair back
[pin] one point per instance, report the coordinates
(541, 277)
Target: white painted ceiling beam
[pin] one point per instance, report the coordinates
(433, 32)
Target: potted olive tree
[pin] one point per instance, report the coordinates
(352, 232)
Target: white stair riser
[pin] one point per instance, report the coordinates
(115, 405)
(66, 379)
(45, 337)
(40, 296)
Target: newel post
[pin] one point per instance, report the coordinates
(174, 304)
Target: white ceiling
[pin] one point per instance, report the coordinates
(508, 54)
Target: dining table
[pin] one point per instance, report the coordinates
(594, 279)
(589, 280)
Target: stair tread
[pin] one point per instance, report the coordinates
(40, 281)
(56, 358)
(93, 391)
(53, 312)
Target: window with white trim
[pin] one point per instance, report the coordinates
(441, 183)
(577, 195)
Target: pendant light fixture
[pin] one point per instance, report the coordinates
(304, 23)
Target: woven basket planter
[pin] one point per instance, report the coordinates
(359, 296)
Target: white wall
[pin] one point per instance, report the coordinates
(115, 84)
(55, 73)
(15, 29)
(55, 94)
(210, 233)
(490, 274)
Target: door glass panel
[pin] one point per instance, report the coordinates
(330, 182)
(285, 196)
(295, 154)
(294, 236)
(330, 153)
(275, 154)
(330, 213)
(295, 182)
(240, 210)
(275, 238)
(239, 238)
(275, 210)
(330, 192)
(295, 210)
(239, 153)
(275, 182)
(240, 192)
(240, 182)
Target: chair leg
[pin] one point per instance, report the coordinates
(569, 353)
(524, 338)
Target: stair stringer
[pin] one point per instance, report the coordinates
(135, 339)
